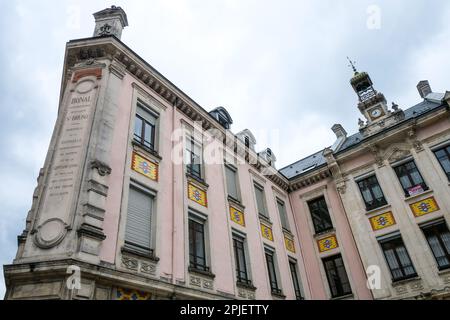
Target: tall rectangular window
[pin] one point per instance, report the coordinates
(438, 237)
(271, 269)
(397, 258)
(295, 280)
(232, 182)
(320, 215)
(371, 192)
(138, 230)
(260, 200)
(337, 276)
(410, 178)
(283, 214)
(443, 156)
(193, 156)
(242, 275)
(144, 127)
(197, 252)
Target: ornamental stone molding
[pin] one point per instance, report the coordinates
(50, 233)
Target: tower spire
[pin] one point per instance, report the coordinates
(352, 65)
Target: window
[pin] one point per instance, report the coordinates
(193, 156)
(144, 127)
(371, 192)
(283, 214)
(260, 200)
(139, 220)
(337, 276)
(232, 185)
(197, 254)
(295, 281)
(247, 142)
(410, 178)
(320, 216)
(270, 256)
(240, 260)
(438, 237)
(397, 258)
(443, 156)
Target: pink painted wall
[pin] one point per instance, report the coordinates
(172, 207)
(347, 247)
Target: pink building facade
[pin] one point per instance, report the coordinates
(146, 195)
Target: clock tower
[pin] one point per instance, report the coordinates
(372, 104)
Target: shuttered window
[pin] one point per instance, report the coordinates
(139, 219)
(283, 214)
(231, 176)
(260, 201)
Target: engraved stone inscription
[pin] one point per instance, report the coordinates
(65, 170)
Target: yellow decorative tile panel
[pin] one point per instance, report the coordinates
(424, 207)
(144, 166)
(197, 195)
(266, 232)
(382, 221)
(237, 216)
(327, 243)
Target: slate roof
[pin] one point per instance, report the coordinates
(432, 102)
(304, 165)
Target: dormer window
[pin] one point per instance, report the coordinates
(247, 142)
(222, 116)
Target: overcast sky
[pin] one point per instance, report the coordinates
(279, 67)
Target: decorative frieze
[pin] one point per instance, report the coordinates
(138, 265)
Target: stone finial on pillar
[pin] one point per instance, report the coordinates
(110, 21)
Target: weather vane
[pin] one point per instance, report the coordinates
(352, 65)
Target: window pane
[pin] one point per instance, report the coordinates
(320, 216)
(260, 201)
(438, 237)
(148, 135)
(137, 127)
(146, 115)
(197, 245)
(398, 259)
(231, 182)
(443, 156)
(283, 214)
(337, 276)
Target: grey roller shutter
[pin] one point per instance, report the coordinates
(231, 182)
(139, 218)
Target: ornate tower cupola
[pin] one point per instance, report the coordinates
(372, 104)
(110, 21)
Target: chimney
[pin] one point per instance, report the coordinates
(341, 135)
(110, 22)
(424, 88)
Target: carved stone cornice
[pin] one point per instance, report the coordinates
(310, 179)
